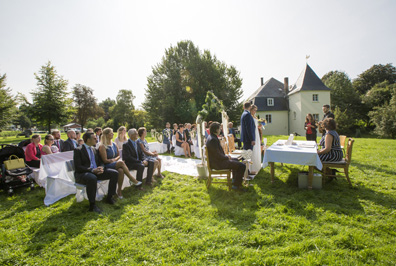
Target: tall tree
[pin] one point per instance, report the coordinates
(177, 87)
(380, 94)
(384, 118)
(8, 110)
(122, 111)
(50, 99)
(376, 74)
(85, 104)
(106, 105)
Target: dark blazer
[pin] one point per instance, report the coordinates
(248, 129)
(129, 154)
(217, 158)
(68, 145)
(81, 160)
(328, 115)
(61, 141)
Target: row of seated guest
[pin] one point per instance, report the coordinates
(110, 156)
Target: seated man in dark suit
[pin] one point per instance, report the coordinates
(70, 144)
(231, 130)
(89, 169)
(218, 160)
(133, 158)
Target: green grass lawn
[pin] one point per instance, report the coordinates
(181, 222)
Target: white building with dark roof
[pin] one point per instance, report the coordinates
(285, 108)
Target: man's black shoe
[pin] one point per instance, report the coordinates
(110, 200)
(95, 209)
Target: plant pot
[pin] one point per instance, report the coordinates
(202, 171)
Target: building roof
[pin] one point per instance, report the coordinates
(308, 81)
(272, 88)
(71, 124)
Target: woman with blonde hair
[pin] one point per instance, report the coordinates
(110, 156)
(121, 137)
(48, 148)
(148, 155)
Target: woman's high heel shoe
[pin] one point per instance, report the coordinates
(133, 184)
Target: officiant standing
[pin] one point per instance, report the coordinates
(248, 128)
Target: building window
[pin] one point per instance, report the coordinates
(315, 97)
(268, 118)
(294, 115)
(270, 102)
(316, 117)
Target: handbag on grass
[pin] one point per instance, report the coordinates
(11, 164)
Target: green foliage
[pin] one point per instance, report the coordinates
(106, 105)
(342, 93)
(379, 94)
(177, 87)
(384, 118)
(180, 222)
(212, 103)
(122, 111)
(85, 104)
(51, 104)
(375, 74)
(345, 125)
(92, 123)
(7, 103)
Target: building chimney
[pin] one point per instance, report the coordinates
(262, 81)
(286, 85)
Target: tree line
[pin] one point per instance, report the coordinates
(176, 91)
(368, 103)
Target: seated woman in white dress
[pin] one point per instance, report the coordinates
(148, 155)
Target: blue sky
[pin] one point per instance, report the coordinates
(112, 45)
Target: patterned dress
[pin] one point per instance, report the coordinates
(335, 154)
(146, 147)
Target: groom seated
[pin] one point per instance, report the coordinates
(219, 161)
(133, 158)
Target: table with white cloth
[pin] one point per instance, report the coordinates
(300, 152)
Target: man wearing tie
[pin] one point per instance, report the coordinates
(70, 144)
(89, 170)
(133, 158)
(248, 129)
(58, 142)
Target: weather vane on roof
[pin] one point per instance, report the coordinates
(307, 57)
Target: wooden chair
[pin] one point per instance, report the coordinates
(217, 174)
(342, 141)
(231, 143)
(341, 164)
(224, 146)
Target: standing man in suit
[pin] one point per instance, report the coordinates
(58, 142)
(70, 144)
(89, 169)
(133, 158)
(218, 160)
(327, 114)
(248, 129)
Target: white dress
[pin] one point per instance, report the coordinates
(256, 153)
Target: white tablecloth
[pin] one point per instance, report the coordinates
(301, 152)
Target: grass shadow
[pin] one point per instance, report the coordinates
(236, 208)
(363, 167)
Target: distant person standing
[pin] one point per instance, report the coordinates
(166, 136)
(248, 129)
(310, 127)
(327, 113)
